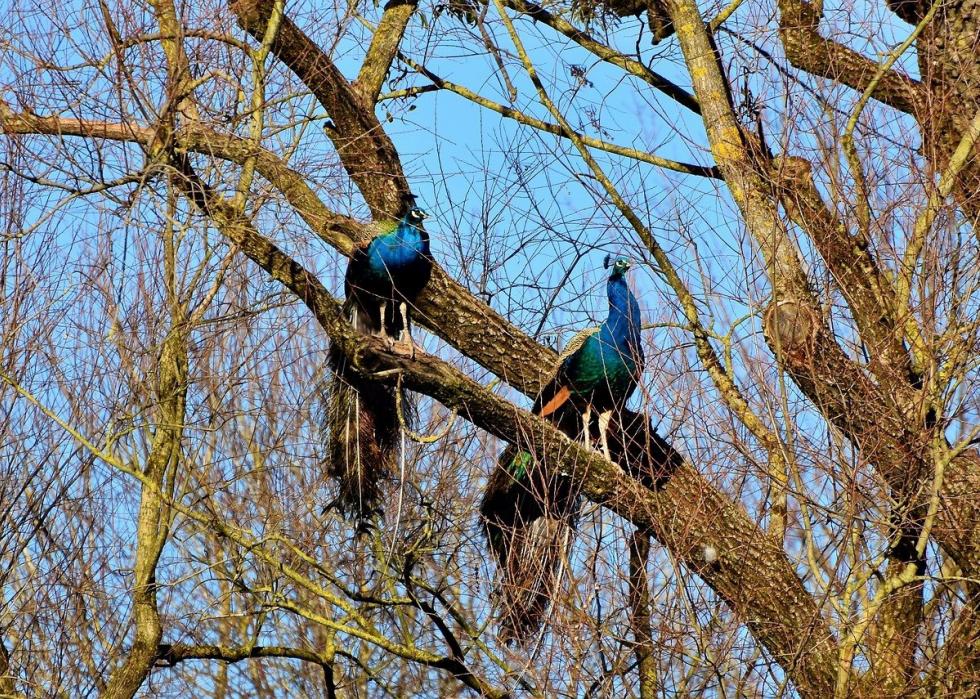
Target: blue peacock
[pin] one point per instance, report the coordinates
(599, 368)
(384, 277)
(529, 512)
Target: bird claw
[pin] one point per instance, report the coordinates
(405, 348)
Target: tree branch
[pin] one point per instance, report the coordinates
(639, 596)
(383, 48)
(364, 148)
(171, 655)
(869, 294)
(630, 65)
(557, 129)
(799, 31)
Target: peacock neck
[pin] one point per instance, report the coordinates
(623, 324)
(409, 235)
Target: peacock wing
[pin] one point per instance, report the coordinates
(575, 344)
(556, 392)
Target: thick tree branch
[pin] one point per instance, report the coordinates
(869, 294)
(364, 148)
(799, 31)
(383, 48)
(172, 654)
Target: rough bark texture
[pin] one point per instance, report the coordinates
(364, 148)
(949, 60)
(384, 48)
(809, 51)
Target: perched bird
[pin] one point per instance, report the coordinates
(599, 369)
(383, 278)
(529, 512)
(385, 275)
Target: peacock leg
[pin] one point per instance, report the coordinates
(405, 343)
(586, 432)
(383, 331)
(604, 419)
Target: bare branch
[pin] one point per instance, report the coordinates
(383, 48)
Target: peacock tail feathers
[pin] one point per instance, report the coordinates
(361, 422)
(362, 431)
(528, 515)
(529, 576)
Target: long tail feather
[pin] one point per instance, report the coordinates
(527, 515)
(642, 453)
(362, 431)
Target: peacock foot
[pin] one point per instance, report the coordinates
(404, 347)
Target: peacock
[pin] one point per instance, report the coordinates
(599, 369)
(384, 276)
(528, 513)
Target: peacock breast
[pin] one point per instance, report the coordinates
(593, 365)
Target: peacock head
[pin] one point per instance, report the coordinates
(416, 215)
(413, 214)
(619, 267)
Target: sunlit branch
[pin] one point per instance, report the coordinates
(607, 54)
(384, 46)
(563, 130)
